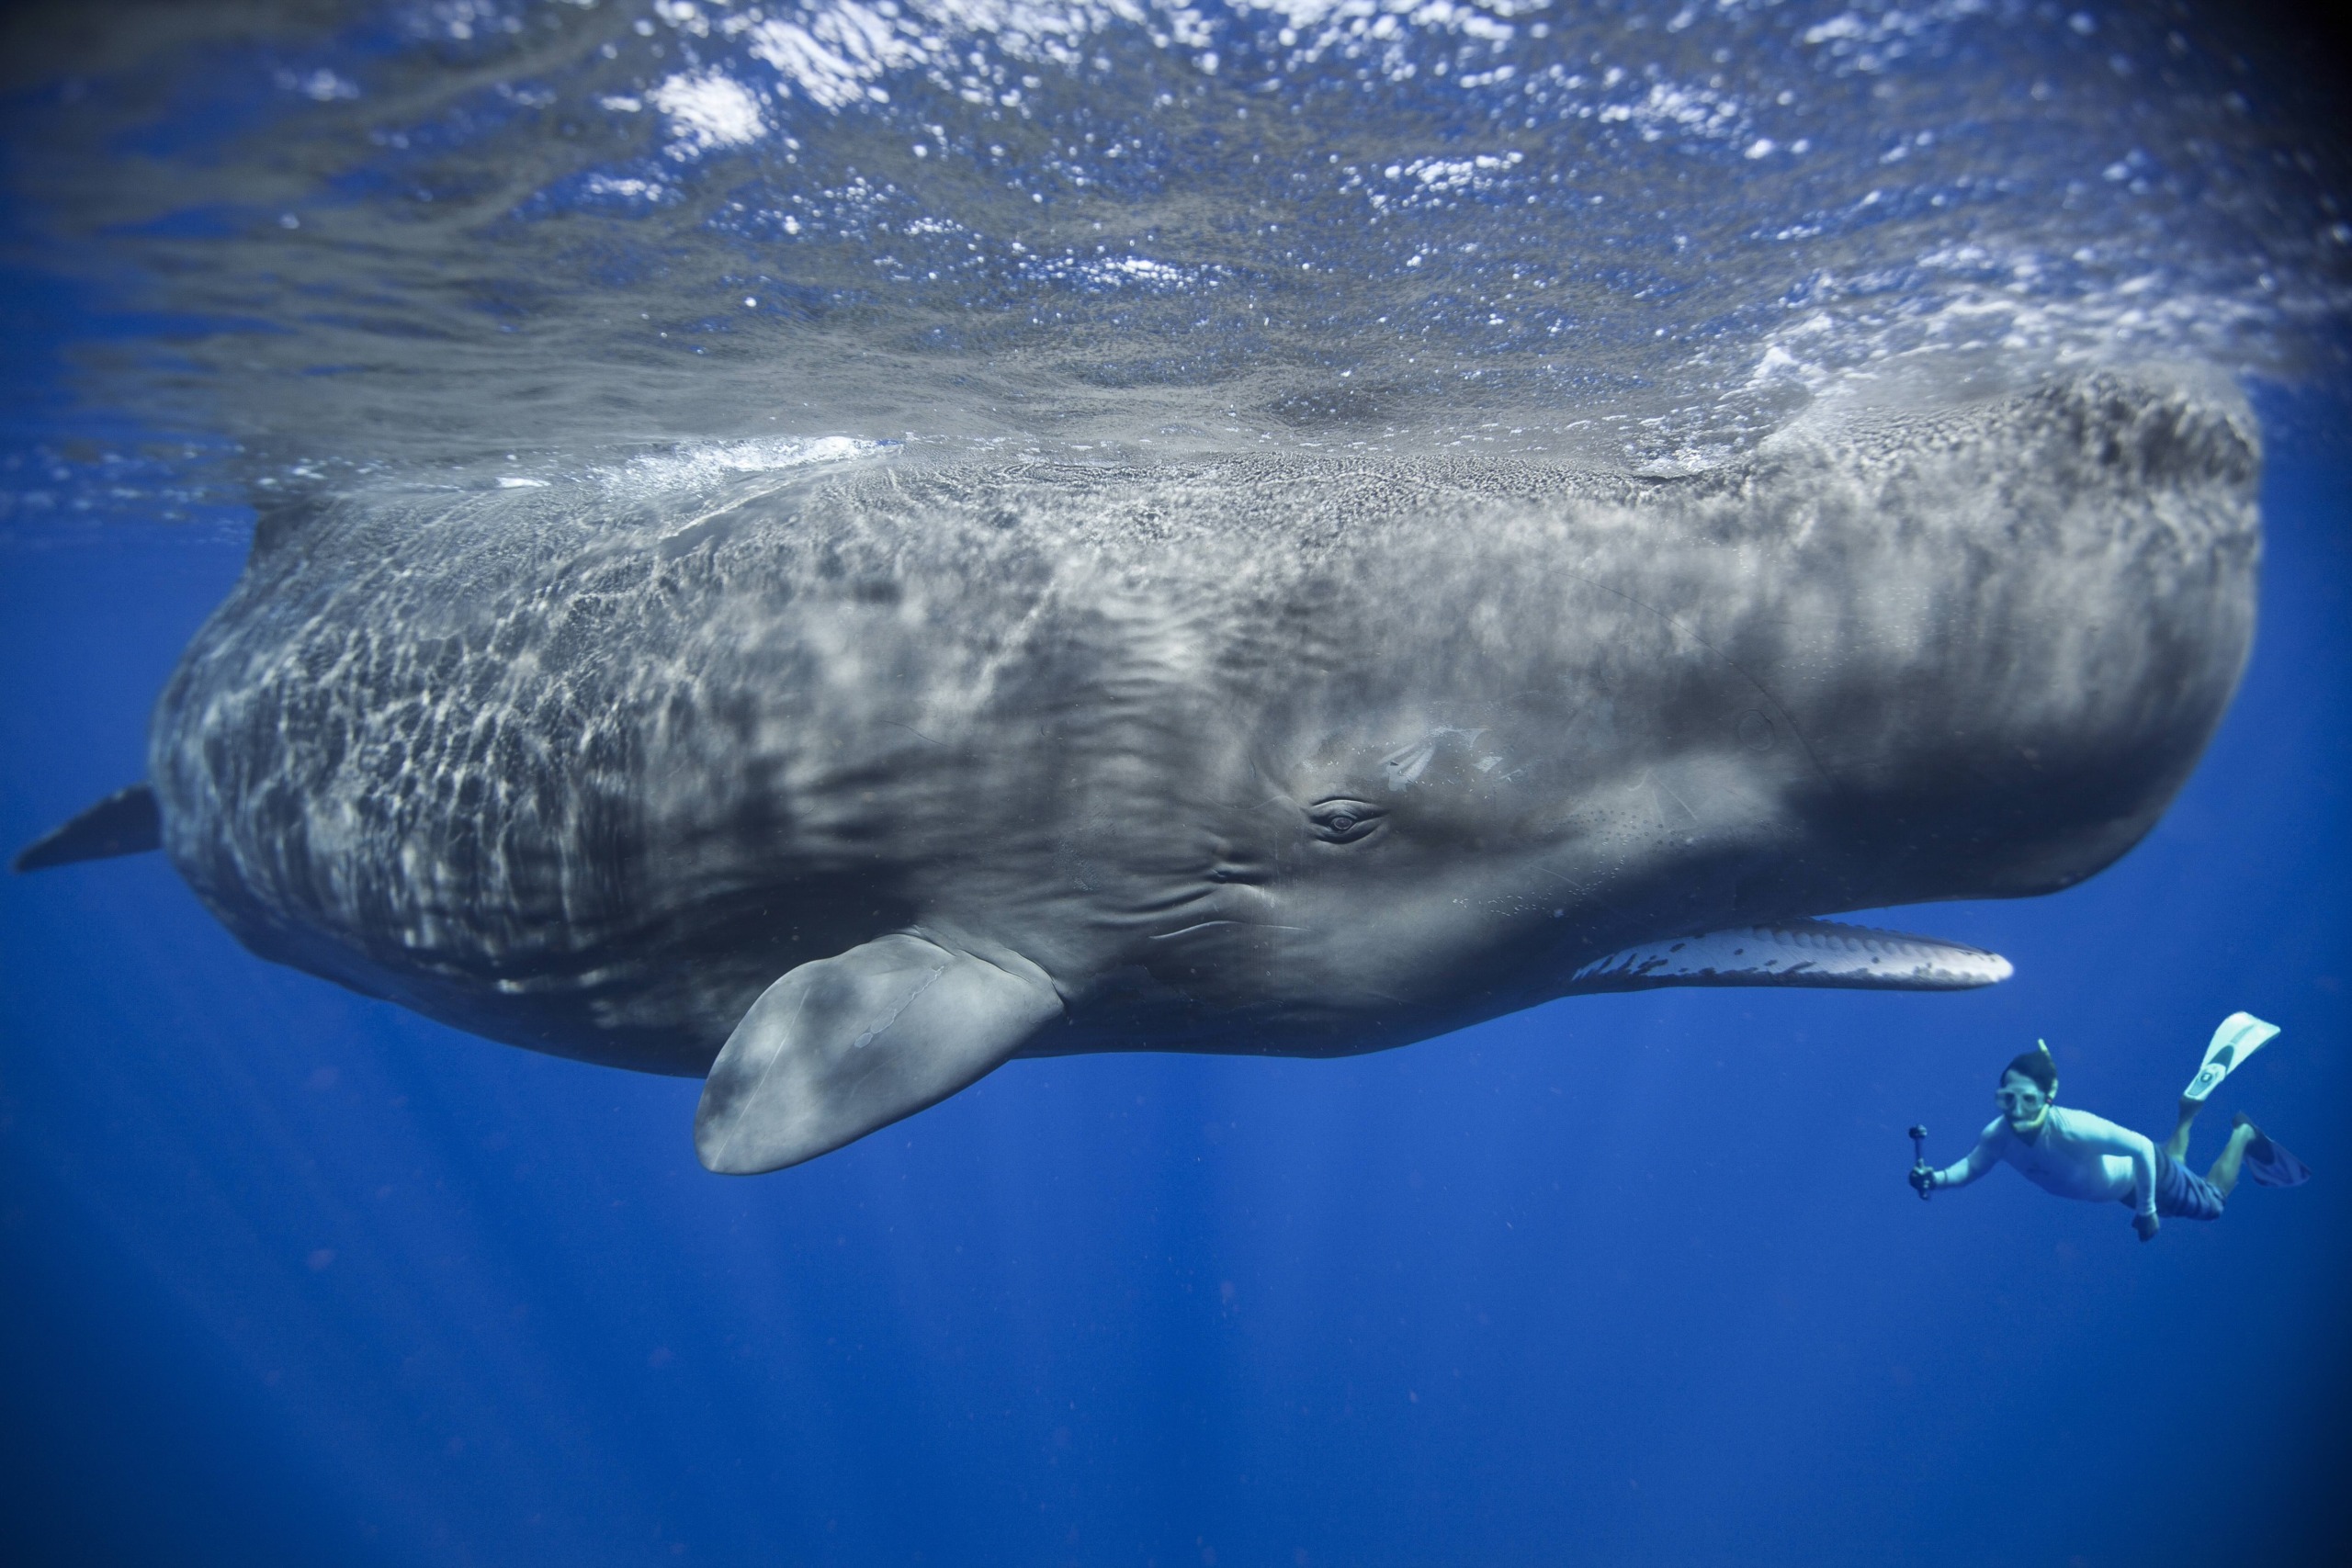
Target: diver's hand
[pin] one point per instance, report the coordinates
(2147, 1225)
(1923, 1178)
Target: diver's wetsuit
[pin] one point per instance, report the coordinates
(2073, 1154)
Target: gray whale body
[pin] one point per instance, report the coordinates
(861, 780)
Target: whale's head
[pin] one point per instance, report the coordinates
(1967, 655)
(1451, 837)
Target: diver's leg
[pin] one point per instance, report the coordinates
(2177, 1144)
(2224, 1174)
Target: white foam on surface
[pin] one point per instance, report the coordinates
(686, 466)
(709, 109)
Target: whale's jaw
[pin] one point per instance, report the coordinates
(1803, 954)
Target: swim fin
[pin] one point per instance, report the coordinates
(2240, 1036)
(2271, 1165)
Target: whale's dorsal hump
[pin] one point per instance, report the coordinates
(1796, 953)
(847, 1045)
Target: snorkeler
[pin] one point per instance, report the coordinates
(2076, 1155)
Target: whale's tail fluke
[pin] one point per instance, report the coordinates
(124, 823)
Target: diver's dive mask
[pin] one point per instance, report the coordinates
(2023, 1108)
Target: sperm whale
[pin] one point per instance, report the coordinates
(851, 784)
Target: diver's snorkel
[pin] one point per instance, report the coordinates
(1923, 1175)
(2025, 1128)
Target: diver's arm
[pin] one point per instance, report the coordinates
(2143, 1154)
(2110, 1139)
(2143, 1185)
(2135, 1147)
(1979, 1160)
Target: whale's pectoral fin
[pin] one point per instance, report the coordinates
(841, 1046)
(124, 823)
(1796, 953)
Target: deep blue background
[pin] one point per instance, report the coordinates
(287, 1276)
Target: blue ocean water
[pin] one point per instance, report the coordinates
(293, 1276)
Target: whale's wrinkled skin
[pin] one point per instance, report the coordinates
(859, 781)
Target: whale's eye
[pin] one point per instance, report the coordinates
(1342, 821)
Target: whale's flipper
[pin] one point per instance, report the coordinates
(1796, 953)
(841, 1046)
(124, 823)
(2240, 1036)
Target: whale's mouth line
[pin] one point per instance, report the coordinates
(1187, 930)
